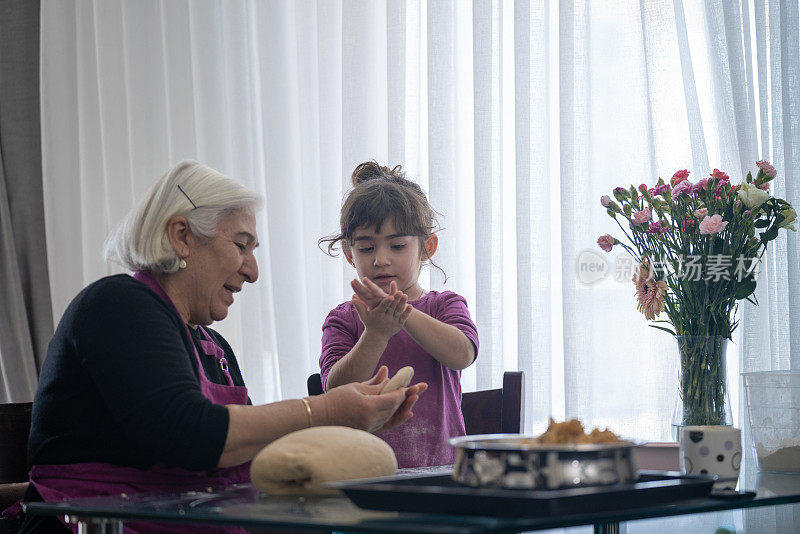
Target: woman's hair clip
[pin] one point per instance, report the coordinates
(187, 197)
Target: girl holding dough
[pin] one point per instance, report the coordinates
(387, 233)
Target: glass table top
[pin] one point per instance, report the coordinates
(245, 506)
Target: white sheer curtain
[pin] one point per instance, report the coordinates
(514, 116)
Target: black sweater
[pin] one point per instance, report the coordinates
(120, 385)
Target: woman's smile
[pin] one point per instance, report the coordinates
(229, 291)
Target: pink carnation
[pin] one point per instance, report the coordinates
(682, 187)
(719, 175)
(764, 186)
(699, 186)
(659, 190)
(722, 183)
(768, 169)
(605, 200)
(712, 225)
(641, 217)
(606, 242)
(642, 188)
(679, 177)
(658, 227)
(701, 212)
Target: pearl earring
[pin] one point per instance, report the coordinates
(182, 263)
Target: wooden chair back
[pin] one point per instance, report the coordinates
(15, 425)
(314, 384)
(495, 411)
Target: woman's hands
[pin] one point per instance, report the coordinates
(357, 405)
(360, 405)
(382, 313)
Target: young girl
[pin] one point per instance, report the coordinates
(387, 232)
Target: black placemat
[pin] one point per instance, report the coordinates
(439, 493)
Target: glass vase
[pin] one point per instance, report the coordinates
(702, 397)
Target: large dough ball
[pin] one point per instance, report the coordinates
(301, 461)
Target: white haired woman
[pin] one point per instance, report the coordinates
(136, 394)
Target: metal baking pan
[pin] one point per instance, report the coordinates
(442, 495)
(514, 461)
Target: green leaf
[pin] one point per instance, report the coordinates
(761, 223)
(770, 234)
(667, 330)
(745, 290)
(718, 247)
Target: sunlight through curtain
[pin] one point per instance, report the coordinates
(514, 116)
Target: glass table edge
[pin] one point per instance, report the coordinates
(393, 522)
(480, 523)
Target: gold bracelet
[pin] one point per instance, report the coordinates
(308, 409)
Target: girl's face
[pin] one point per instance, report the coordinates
(387, 256)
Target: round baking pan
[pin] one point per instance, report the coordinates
(516, 461)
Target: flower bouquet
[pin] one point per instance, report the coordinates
(698, 248)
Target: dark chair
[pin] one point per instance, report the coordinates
(495, 411)
(15, 424)
(314, 384)
(489, 411)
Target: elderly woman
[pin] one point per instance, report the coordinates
(136, 394)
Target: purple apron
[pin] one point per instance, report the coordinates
(59, 482)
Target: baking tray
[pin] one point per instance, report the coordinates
(442, 495)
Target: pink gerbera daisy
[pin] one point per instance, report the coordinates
(649, 293)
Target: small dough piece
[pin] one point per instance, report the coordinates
(399, 380)
(298, 463)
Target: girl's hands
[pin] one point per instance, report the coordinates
(360, 405)
(382, 313)
(370, 292)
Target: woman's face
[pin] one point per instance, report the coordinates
(220, 267)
